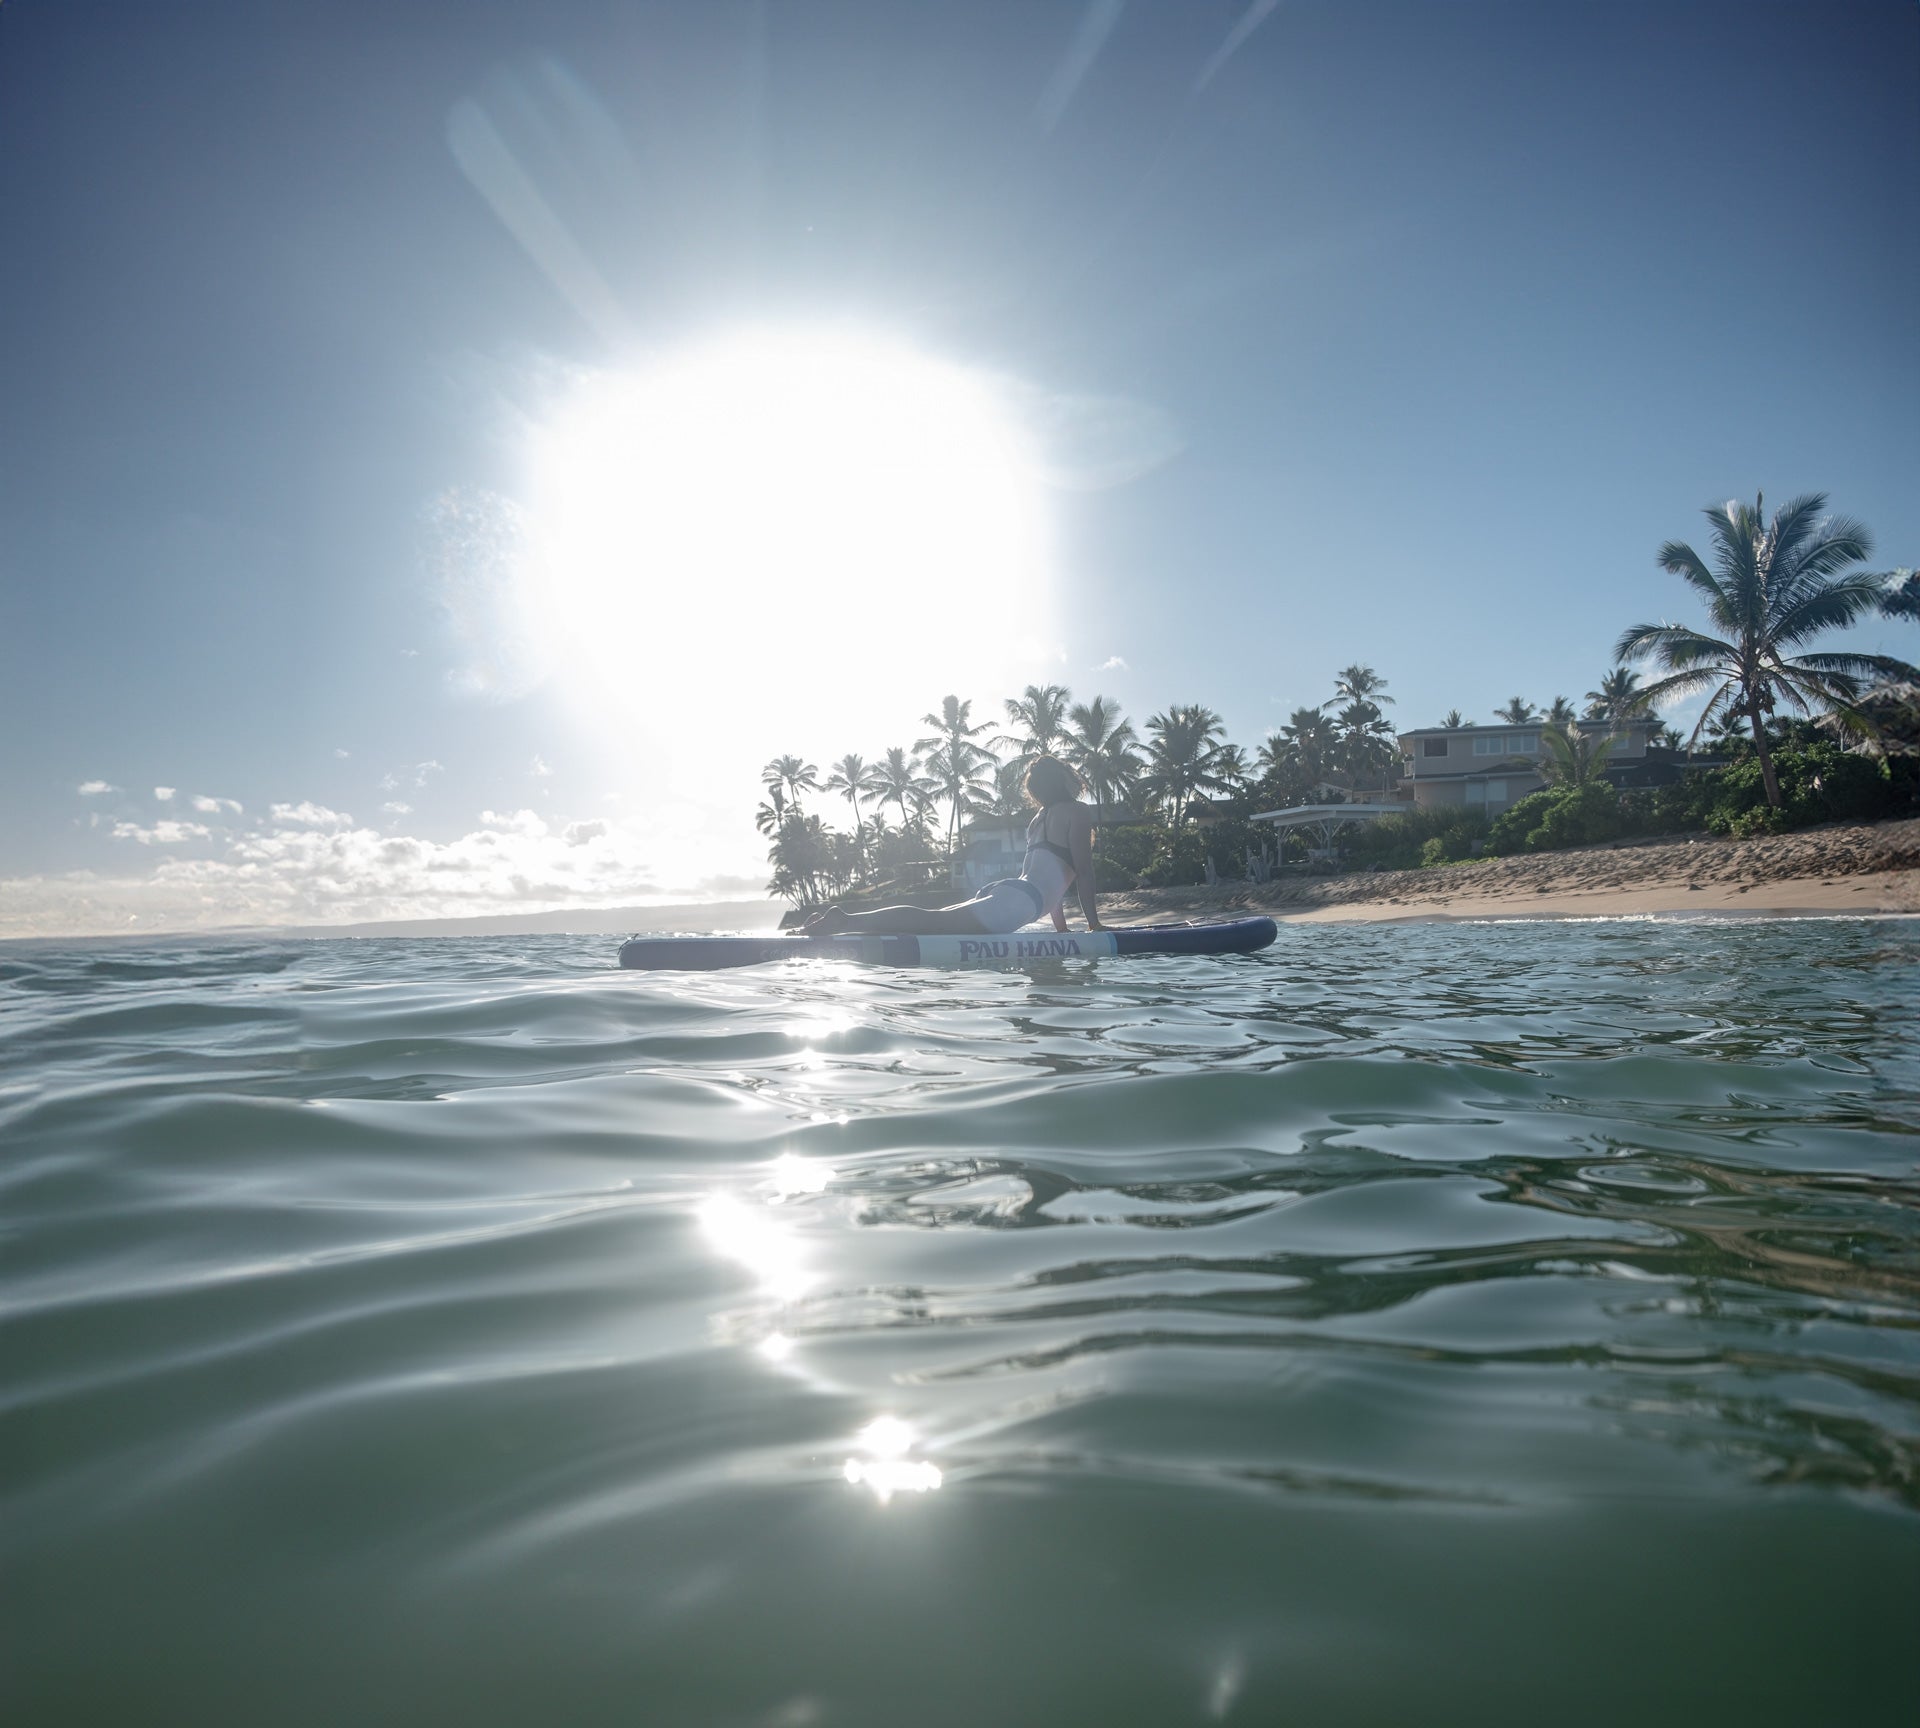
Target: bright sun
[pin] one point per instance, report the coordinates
(810, 528)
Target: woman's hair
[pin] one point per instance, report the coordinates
(1051, 781)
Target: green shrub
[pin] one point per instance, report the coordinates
(1558, 816)
(1820, 783)
(1179, 859)
(1121, 854)
(1440, 834)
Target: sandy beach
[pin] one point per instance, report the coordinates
(1819, 872)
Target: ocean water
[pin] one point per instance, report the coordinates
(1477, 1323)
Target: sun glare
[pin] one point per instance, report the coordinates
(821, 509)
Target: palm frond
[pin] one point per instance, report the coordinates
(1680, 558)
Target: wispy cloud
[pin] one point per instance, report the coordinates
(1113, 663)
(396, 808)
(215, 806)
(1250, 20)
(416, 776)
(539, 769)
(165, 793)
(1096, 25)
(95, 788)
(166, 832)
(307, 814)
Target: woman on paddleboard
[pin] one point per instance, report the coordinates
(1059, 857)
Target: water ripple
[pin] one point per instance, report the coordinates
(1185, 1330)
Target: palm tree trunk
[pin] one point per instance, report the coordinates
(1768, 778)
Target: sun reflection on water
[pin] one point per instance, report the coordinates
(887, 1469)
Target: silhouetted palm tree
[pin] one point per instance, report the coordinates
(1358, 684)
(1231, 765)
(1364, 742)
(1102, 744)
(1183, 754)
(772, 813)
(1037, 720)
(852, 779)
(1902, 597)
(1306, 744)
(1618, 697)
(898, 781)
(793, 774)
(1453, 722)
(958, 765)
(1518, 712)
(1561, 712)
(1775, 586)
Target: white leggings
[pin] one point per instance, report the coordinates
(1003, 906)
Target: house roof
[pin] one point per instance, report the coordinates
(1526, 726)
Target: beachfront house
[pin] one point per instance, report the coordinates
(1491, 767)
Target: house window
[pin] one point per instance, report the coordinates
(1496, 792)
(1433, 746)
(1507, 744)
(1476, 792)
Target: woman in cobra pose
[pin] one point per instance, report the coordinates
(1059, 857)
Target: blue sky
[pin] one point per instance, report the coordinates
(1401, 333)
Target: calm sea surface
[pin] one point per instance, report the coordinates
(1480, 1323)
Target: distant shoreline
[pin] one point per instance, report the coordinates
(1844, 869)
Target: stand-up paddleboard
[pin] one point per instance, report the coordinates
(706, 953)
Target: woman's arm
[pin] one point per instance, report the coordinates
(1080, 844)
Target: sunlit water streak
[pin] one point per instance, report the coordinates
(1405, 1325)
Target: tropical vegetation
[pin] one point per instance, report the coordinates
(1771, 587)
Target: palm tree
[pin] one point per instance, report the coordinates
(1358, 684)
(1231, 765)
(850, 778)
(1009, 797)
(1570, 757)
(1307, 739)
(1618, 697)
(793, 774)
(1453, 721)
(958, 765)
(1183, 756)
(1561, 713)
(1363, 740)
(1038, 716)
(898, 780)
(1518, 712)
(1902, 598)
(1102, 744)
(774, 812)
(1775, 586)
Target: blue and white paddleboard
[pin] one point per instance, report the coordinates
(706, 953)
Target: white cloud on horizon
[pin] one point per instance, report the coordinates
(299, 871)
(165, 793)
(95, 788)
(1113, 663)
(215, 806)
